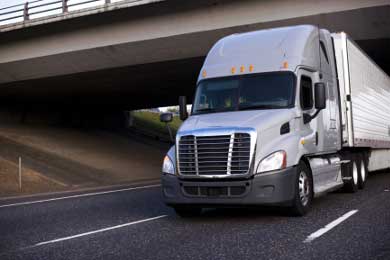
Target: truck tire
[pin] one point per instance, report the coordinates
(352, 173)
(303, 191)
(187, 211)
(363, 171)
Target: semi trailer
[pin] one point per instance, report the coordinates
(279, 116)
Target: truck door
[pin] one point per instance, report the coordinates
(315, 134)
(309, 133)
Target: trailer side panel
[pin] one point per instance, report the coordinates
(365, 96)
(370, 96)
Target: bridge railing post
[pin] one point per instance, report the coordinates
(64, 6)
(25, 12)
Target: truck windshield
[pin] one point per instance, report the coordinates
(246, 92)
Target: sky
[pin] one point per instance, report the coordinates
(5, 3)
(38, 10)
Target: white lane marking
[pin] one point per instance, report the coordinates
(78, 196)
(97, 231)
(328, 227)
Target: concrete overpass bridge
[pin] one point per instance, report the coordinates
(135, 54)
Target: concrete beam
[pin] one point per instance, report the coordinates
(172, 18)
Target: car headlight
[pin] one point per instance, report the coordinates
(272, 162)
(168, 166)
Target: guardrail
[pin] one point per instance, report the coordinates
(23, 12)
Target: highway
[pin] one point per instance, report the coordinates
(133, 223)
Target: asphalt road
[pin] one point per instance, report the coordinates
(135, 224)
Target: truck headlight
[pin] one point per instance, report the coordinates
(168, 166)
(272, 162)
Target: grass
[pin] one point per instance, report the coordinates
(32, 181)
(149, 124)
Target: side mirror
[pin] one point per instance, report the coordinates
(320, 101)
(166, 117)
(320, 95)
(183, 108)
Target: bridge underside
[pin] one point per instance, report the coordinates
(125, 88)
(133, 87)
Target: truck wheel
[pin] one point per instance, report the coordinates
(187, 212)
(303, 191)
(352, 171)
(363, 170)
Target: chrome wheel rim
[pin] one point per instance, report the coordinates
(354, 173)
(363, 171)
(304, 188)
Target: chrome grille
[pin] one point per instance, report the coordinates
(214, 155)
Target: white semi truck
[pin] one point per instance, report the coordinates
(279, 117)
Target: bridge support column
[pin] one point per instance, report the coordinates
(64, 6)
(25, 12)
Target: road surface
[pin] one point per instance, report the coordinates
(133, 223)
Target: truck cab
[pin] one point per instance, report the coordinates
(265, 125)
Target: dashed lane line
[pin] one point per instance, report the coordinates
(97, 231)
(330, 226)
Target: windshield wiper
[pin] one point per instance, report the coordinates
(213, 110)
(205, 109)
(259, 107)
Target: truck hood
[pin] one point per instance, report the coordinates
(258, 119)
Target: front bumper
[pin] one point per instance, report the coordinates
(276, 188)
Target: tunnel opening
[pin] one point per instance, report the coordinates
(98, 99)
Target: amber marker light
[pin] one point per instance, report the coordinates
(242, 69)
(204, 74)
(251, 68)
(233, 70)
(285, 65)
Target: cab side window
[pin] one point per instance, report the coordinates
(306, 93)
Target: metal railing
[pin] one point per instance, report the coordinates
(23, 12)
